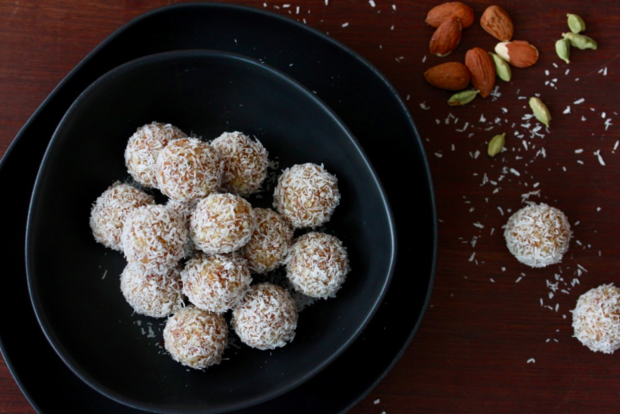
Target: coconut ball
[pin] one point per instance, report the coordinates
(270, 242)
(596, 319)
(196, 338)
(216, 283)
(266, 318)
(154, 237)
(152, 293)
(110, 210)
(245, 163)
(221, 223)
(317, 265)
(144, 147)
(306, 195)
(538, 235)
(188, 168)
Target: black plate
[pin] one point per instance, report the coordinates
(354, 89)
(207, 92)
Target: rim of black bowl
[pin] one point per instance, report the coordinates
(34, 205)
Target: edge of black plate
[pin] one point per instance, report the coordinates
(316, 32)
(36, 205)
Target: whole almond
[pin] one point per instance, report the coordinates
(446, 38)
(452, 76)
(518, 53)
(496, 22)
(482, 70)
(441, 13)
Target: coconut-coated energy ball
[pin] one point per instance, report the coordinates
(245, 163)
(306, 195)
(266, 318)
(154, 237)
(144, 147)
(317, 265)
(110, 210)
(151, 293)
(221, 223)
(538, 235)
(188, 169)
(596, 319)
(216, 283)
(270, 242)
(196, 338)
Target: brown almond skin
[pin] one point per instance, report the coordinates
(441, 13)
(451, 76)
(482, 69)
(522, 54)
(446, 38)
(497, 22)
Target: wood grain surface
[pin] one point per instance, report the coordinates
(489, 314)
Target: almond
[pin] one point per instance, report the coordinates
(443, 12)
(518, 53)
(446, 38)
(482, 70)
(452, 76)
(496, 22)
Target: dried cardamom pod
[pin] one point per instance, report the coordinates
(541, 112)
(502, 68)
(575, 23)
(463, 97)
(496, 144)
(562, 48)
(580, 41)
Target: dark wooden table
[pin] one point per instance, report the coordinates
(486, 343)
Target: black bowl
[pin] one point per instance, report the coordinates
(74, 283)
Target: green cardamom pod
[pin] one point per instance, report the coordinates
(562, 48)
(496, 144)
(540, 111)
(462, 98)
(575, 23)
(580, 41)
(502, 68)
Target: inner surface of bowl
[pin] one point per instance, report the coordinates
(74, 282)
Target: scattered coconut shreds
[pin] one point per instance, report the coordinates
(377, 401)
(438, 155)
(473, 255)
(372, 3)
(603, 71)
(531, 361)
(579, 101)
(616, 145)
(423, 105)
(567, 110)
(491, 279)
(578, 151)
(345, 24)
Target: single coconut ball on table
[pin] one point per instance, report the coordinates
(188, 169)
(221, 223)
(266, 318)
(196, 338)
(144, 147)
(317, 265)
(306, 195)
(538, 235)
(152, 293)
(245, 163)
(110, 210)
(185, 209)
(216, 283)
(154, 237)
(596, 319)
(270, 242)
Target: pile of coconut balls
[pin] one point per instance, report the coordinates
(206, 242)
